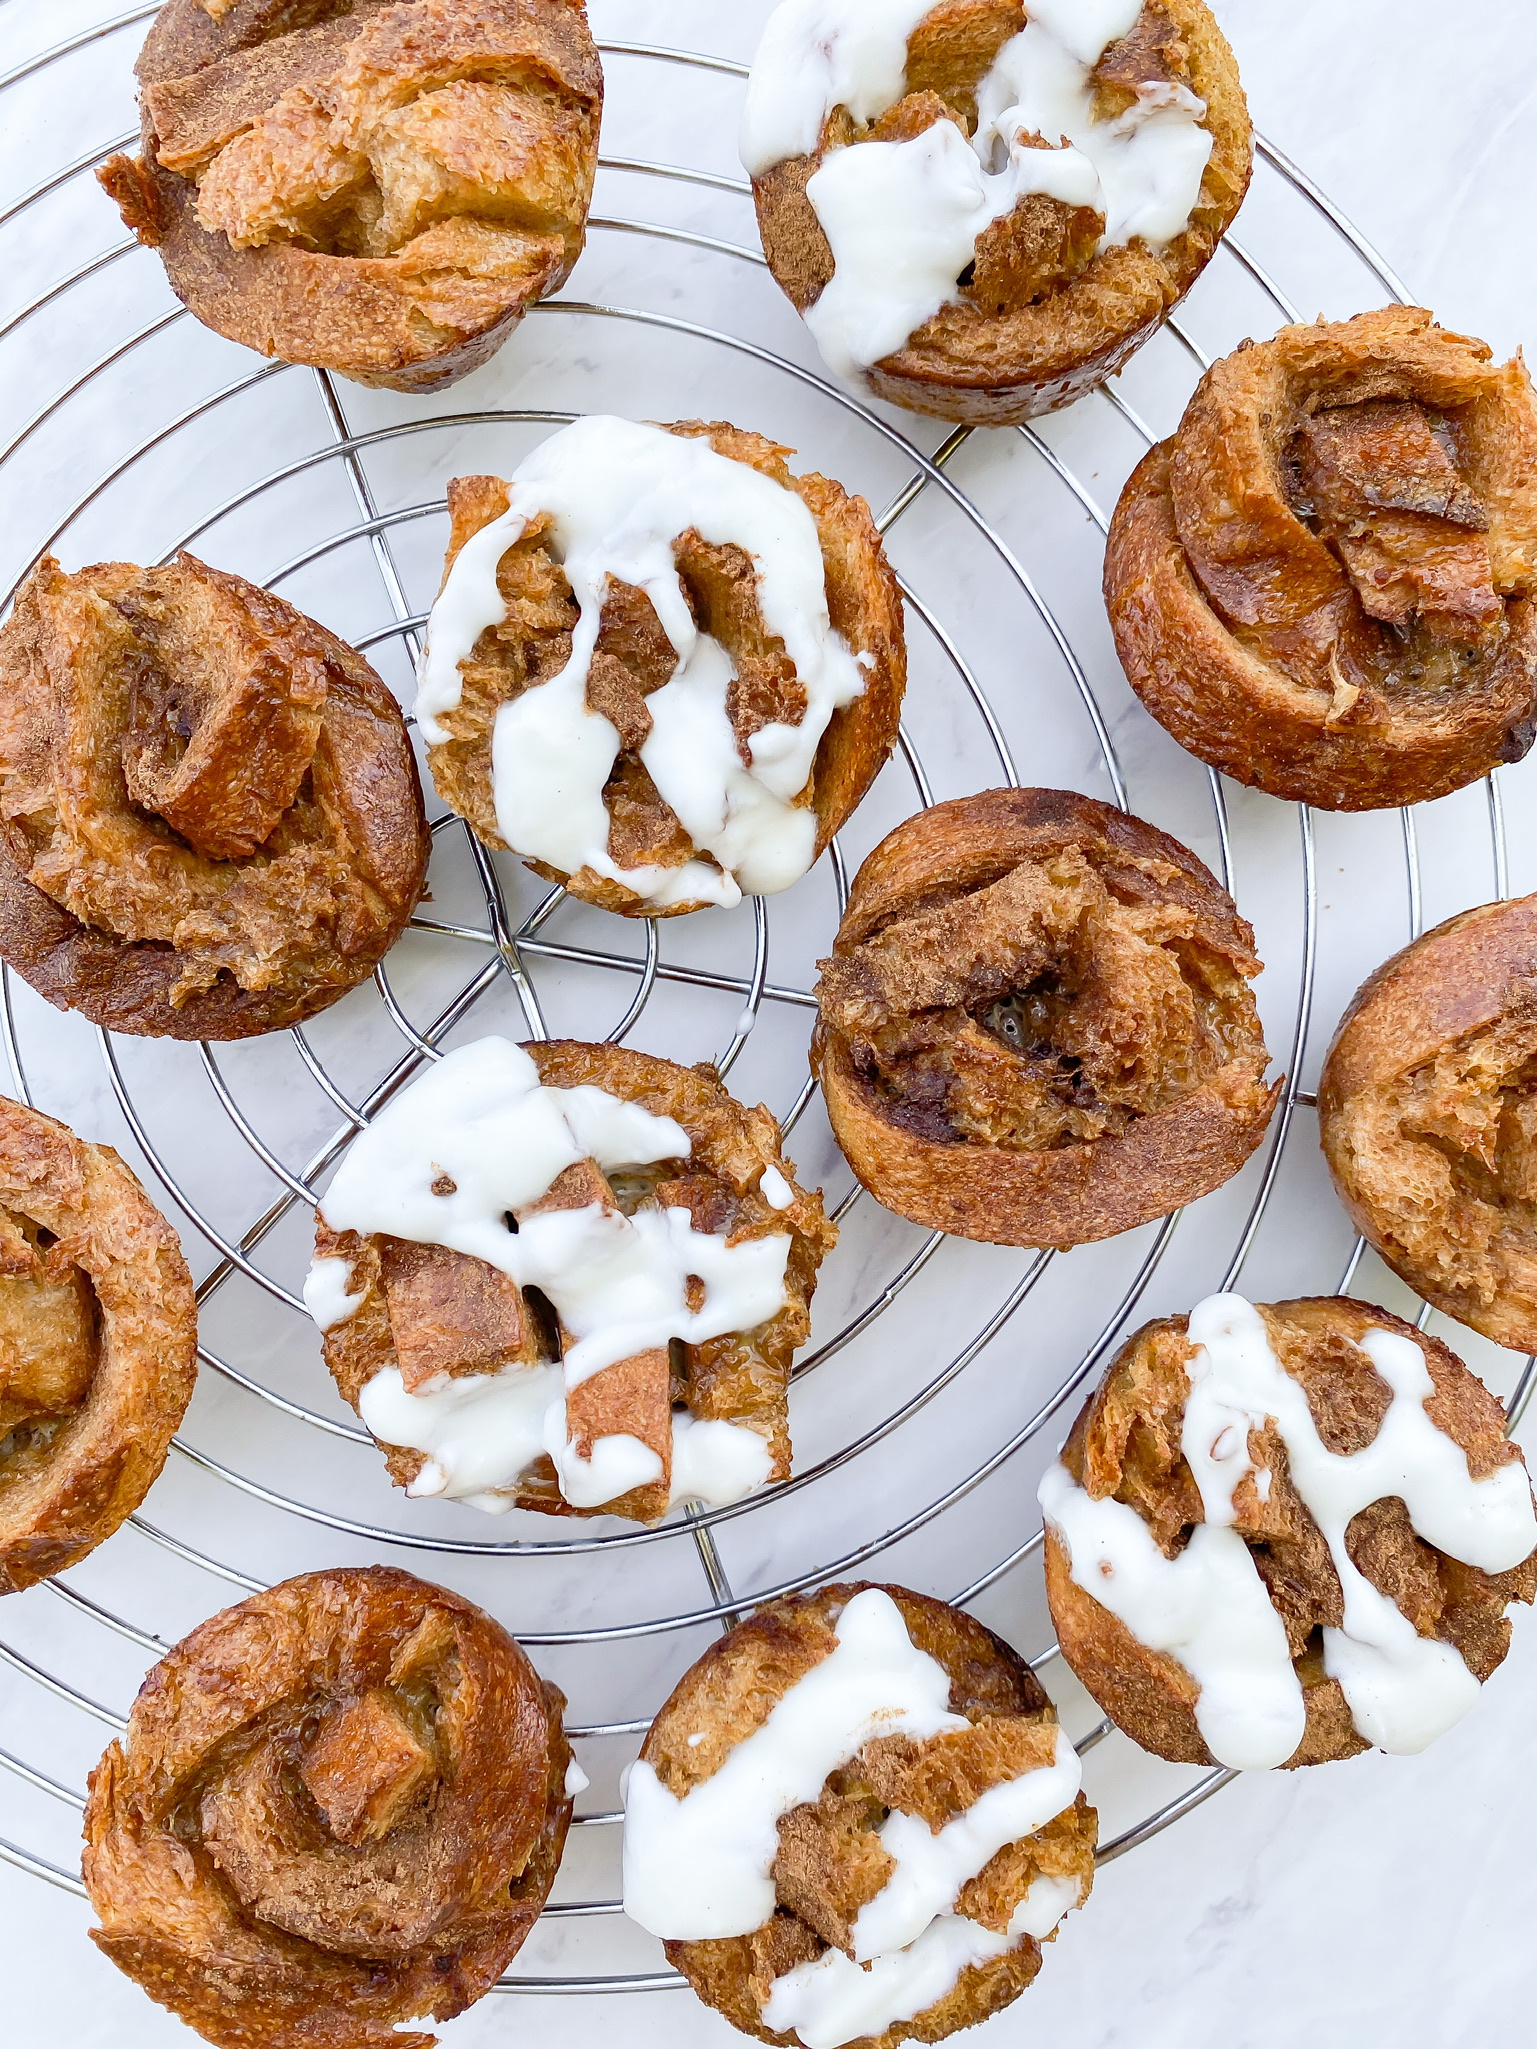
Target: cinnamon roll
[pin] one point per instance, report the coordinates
(1036, 1026)
(1427, 1109)
(1322, 584)
(856, 1819)
(569, 1277)
(983, 207)
(374, 188)
(210, 820)
(662, 668)
(1281, 1535)
(98, 1344)
(339, 1808)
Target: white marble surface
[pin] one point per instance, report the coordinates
(1382, 1901)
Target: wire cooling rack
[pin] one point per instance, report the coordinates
(941, 1375)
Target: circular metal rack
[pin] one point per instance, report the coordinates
(120, 414)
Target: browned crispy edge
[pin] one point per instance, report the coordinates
(126, 984)
(109, 1455)
(215, 1995)
(1076, 1194)
(996, 371)
(1148, 1694)
(1231, 708)
(1451, 982)
(297, 304)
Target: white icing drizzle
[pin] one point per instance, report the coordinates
(482, 1431)
(831, 2001)
(716, 1462)
(815, 55)
(325, 1293)
(577, 1780)
(619, 495)
(1207, 1606)
(774, 1189)
(701, 1866)
(902, 218)
(931, 1869)
(480, 1120)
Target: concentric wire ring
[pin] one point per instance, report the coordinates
(522, 954)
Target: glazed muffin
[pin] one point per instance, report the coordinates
(1427, 1111)
(571, 1278)
(338, 1808)
(1322, 583)
(856, 1819)
(1036, 1026)
(1281, 1535)
(210, 818)
(377, 187)
(982, 208)
(662, 667)
(98, 1344)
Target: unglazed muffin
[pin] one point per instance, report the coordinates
(982, 208)
(1323, 582)
(1427, 1112)
(98, 1344)
(338, 1808)
(1036, 1026)
(210, 818)
(377, 187)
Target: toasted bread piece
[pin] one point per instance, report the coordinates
(1323, 583)
(1036, 1027)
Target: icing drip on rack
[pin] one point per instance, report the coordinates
(1208, 1607)
(619, 495)
(902, 218)
(476, 1139)
(701, 1867)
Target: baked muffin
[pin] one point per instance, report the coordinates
(982, 208)
(569, 1277)
(377, 187)
(662, 668)
(856, 1819)
(98, 1344)
(1322, 583)
(1036, 1026)
(210, 818)
(1280, 1535)
(1427, 1111)
(339, 1807)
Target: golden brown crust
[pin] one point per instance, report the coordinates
(1036, 1028)
(1044, 319)
(1126, 1444)
(210, 818)
(98, 1344)
(742, 1377)
(1323, 584)
(634, 657)
(1428, 1119)
(339, 1806)
(829, 1848)
(382, 189)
